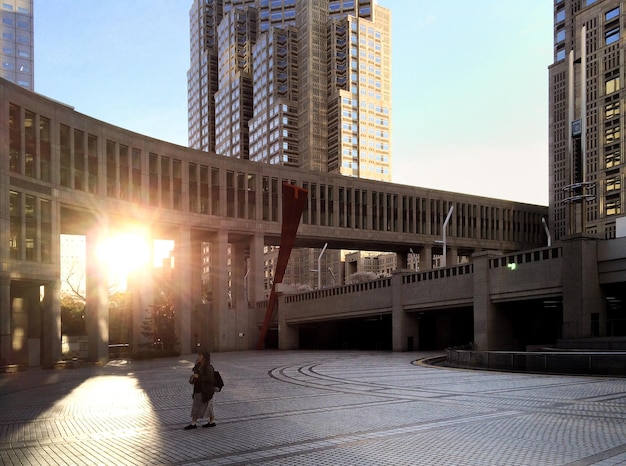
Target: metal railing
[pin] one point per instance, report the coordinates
(561, 362)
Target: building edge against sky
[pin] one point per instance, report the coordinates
(305, 84)
(116, 183)
(587, 103)
(17, 52)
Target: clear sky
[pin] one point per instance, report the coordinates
(470, 83)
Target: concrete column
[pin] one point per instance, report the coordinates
(402, 260)
(288, 335)
(426, 258)
(255, 281)
(255, 287)
(6, 353)
(582, 295)
(97, 298)
(51, 322)
(219, 292)
(492, 330)
(453, 256)
(398, 317)
(183, 283)
(239, 269)
(404, 326)
(141, 287)
(197, 306)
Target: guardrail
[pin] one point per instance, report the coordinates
(119, 350)
(561, 362)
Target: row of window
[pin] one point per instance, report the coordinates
(611, 30)
(20, 9)
(30, 228)
(81, 166)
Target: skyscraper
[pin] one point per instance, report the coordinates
(17, 42)
(587, 191)
(303, 83)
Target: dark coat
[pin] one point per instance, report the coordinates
(205, 383)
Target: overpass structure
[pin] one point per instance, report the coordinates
(570, 291)
(63, 172)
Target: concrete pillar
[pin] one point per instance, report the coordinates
(97, 298)
(183, 258)
(219, 292)
(51, 323)
(239, 275)
(6, 353)
(404, 327)
(255, 281)
(238, 268)
(288, 335)
(453, 256)
(583, 300)
(141, 287)
(255, 287)
(197, 305)
(398, 337)
(492, 330)
(426, 258)
(401, 260)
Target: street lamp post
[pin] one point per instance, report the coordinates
(414, 258)
(319, 267)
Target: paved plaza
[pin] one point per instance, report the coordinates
(311, 408)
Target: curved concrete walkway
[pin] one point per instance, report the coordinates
(311, 408)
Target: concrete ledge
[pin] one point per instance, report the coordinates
(11, 368)
(550, 362)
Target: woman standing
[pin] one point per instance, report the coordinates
(203, 382)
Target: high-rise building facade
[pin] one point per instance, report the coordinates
(587, 192)
(17, 52)
(303, 83)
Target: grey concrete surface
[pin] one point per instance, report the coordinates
(311, 408)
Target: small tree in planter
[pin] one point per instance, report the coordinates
(159, 327)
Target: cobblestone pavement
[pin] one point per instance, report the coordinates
(311, 408)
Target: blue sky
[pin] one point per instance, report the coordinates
(470, 83)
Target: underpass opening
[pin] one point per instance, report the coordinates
(369, 333)
(445, 328)
(533, 323)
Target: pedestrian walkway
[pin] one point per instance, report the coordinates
(311, 408)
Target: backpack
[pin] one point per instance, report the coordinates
(218, 382)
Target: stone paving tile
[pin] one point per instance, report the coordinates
(311, 408)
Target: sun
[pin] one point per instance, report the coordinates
(124, 254)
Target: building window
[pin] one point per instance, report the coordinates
(609, 15)
(611, 34)
(612, 159)
(613, 184)
(612, 110)
(611, 85)
(613, 207)
(611, 134)
(560, 36)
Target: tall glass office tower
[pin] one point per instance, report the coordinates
(17, 53)
(303, 83)
(587, 164)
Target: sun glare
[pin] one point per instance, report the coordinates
(125, 253)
